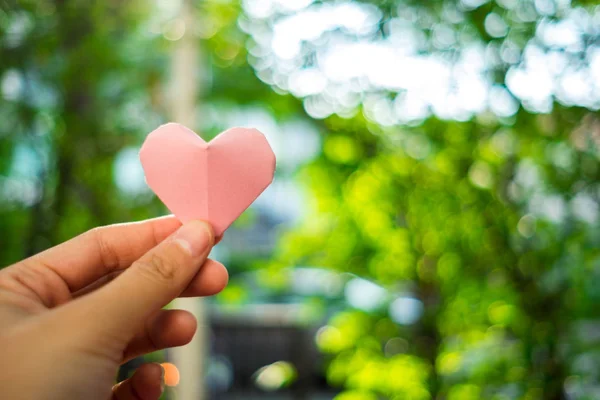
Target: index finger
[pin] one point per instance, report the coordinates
(100, 251)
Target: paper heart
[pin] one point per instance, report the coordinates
(213, 181)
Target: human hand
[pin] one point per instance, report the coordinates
(72, 314)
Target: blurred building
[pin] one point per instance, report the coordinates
(265, 351)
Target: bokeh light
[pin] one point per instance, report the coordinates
(171, 374)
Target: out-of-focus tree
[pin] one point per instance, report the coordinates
(459, 171)
(505, 293)
(78, 80)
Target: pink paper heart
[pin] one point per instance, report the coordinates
(213, 181)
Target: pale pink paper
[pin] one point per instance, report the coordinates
(213, 181)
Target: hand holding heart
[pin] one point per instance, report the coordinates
(71, 315)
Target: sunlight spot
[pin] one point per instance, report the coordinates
(275, 376)
(174, 30)
(406, 310)
(526, 226)
(481, 175)
(365, 295)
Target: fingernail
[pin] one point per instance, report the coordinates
(195, 237)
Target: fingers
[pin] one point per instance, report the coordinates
(210, 280)
(87, 257)
(165, 328)
(146, 383)
(151, 282)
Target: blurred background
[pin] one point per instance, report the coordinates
(433, 230)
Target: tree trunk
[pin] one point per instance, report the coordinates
(190, 359)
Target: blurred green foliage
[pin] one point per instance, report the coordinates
(450, 213)
(77, 75)
(505, 293)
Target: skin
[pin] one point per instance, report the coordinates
(70, 316)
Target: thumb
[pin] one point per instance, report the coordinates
(151, 282)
